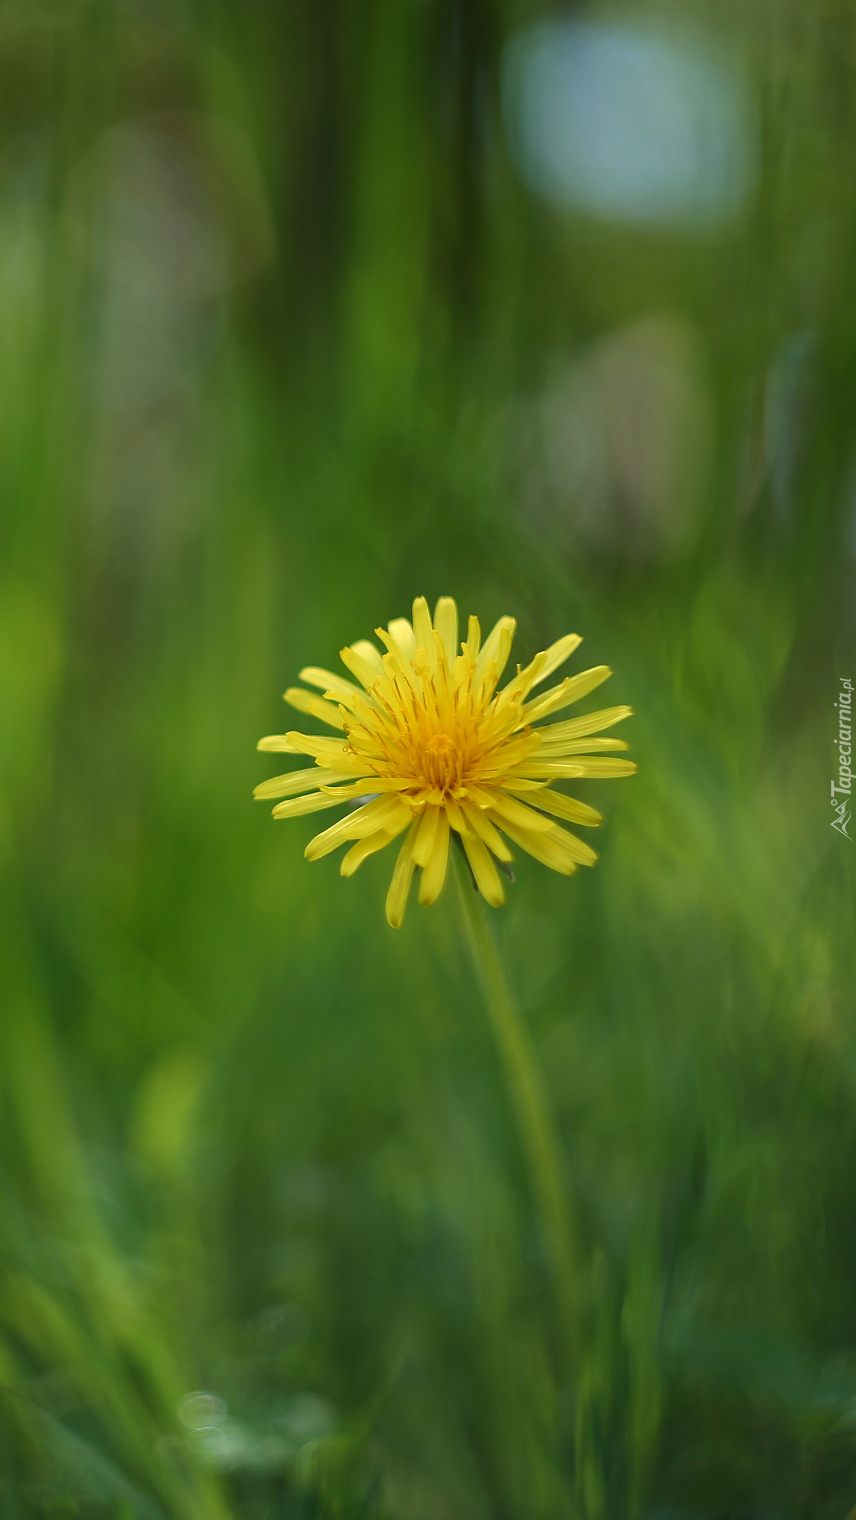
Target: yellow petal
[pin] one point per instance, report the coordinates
(586, 746)
(279, 743)
(519, 814)
(357, 825)
(423, 843)
(521, 787)
(590, 723)
(401, 630)
(552, 770)
(570, 770)
(545, 663)
(396, 663)
(484, 828)
(473, 638)
(298, 781)
(556, 849)
(484, 871)
(482, 796)
(558, 653)
(396, 899)
(307, 702)
(577, 849)
(331, 751)
(370, 653)
(369, 846)
(434, 871)
(570, 690)
(461, 671)
(560, 805)
(606, 768)
(341, 689)
(365, 670)
(422, 626)
(446, 624)
(497, 647)
(316, 802)
(456, 817)
(569, 845)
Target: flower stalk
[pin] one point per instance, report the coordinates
(532, 1111)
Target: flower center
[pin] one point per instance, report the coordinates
(441, 762)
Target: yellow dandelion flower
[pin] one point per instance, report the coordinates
(429, 746)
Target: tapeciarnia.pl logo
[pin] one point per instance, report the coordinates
(845, 775)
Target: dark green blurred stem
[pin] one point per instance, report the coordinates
(530, 1101)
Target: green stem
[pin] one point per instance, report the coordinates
(530, 1101)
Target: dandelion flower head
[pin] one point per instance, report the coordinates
(428, 746)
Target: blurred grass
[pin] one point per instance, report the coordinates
(266, 358)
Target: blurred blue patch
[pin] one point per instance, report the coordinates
(629, 123)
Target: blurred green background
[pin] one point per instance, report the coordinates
(308, 307)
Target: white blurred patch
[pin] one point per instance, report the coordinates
(785, 402)
(201, 1410)
(613, 457)
(168, 213)
(173, 212)
(289, 1440)
(630, 122)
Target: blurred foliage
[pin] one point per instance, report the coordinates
(284, 339)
